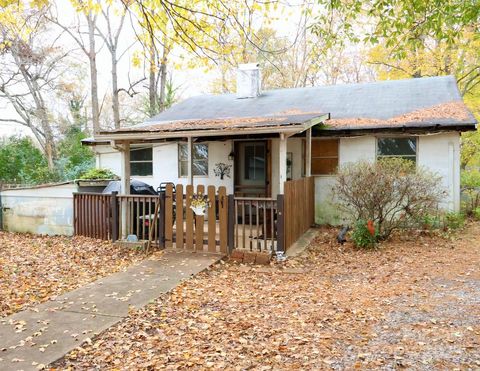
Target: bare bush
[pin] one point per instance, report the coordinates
(390, 192)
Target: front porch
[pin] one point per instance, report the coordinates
(167, 220)
(256, 176)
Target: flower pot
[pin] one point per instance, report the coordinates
(198, 210)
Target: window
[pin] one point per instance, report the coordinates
(324, 156)
(255, 161)
(200, 159)
(141, 163)
(397, 147)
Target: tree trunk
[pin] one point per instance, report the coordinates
(152, 81)
(40, 110)
(115, 99)
(93, 74)
(163, 84)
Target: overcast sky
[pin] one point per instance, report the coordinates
(190, 82)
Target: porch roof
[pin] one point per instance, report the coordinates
(432, 102)
(286, 123)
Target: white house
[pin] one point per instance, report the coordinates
(253, 141)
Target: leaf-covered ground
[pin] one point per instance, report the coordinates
(36, 268)
(413, 304)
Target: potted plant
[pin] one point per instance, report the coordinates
(199, 204)
(96, 178)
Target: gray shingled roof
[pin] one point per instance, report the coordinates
(379, 101)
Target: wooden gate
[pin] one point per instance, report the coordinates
(185, 230)
(299, 208)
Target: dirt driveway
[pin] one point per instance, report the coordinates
(413, 304)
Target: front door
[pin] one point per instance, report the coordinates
(251, 169)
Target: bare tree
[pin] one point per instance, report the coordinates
(31, 70)
(89, 48)
(111, 37)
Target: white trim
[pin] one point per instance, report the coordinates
(179, 175)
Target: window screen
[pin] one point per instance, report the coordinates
(141, 163)
(200, 159)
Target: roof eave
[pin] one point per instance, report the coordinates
(410, 129)
(291, 129)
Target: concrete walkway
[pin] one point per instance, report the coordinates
(42, 335)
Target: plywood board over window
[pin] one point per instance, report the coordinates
(324, 156)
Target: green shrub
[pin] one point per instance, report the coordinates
(452, 221)
(393, 193)
(476, 213)
(470, 182)
(98, 174)
(430, 222)
(362, 237)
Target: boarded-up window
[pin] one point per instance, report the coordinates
(324, 156)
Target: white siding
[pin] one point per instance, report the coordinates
(356, 149)
(439, 153)
(165, 164)
(294, 145)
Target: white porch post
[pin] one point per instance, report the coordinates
(125, 184)
(190, 160)
(308, 154)
(282, 163)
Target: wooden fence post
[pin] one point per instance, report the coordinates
(280, 224)
(114, 220)
(161, 220)
(231, 223)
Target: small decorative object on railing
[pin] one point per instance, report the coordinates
(199, 204)
(222, 170)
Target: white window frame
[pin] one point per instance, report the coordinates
(179, 160)
(377, 156)
(140, 161)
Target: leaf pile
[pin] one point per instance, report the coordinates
(409, 304)
(36, 268)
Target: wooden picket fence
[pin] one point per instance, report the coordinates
(185, 230)
(249, 223)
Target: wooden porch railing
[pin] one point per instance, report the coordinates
(92, 215)
(254, 224)
(299, 208)
(139, 212)
(251, 223)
